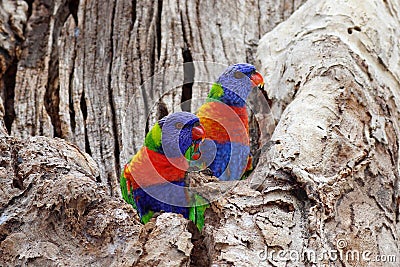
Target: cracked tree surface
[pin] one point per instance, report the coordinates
(337, 136)
(58, 214)
(75, 68)
(327, 178)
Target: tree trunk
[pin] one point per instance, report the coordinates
(82, 64)
(333, 67)
(98, 74)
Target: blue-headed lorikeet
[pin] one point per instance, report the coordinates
(226, 150)
(154, 179)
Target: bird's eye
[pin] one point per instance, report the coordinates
(239, 75)
(179, 125)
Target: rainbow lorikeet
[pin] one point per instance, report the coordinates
(226, 150)
(154, 179)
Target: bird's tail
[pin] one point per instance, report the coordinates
(197, 210)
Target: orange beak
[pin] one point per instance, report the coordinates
(257, 80)
(198, 132)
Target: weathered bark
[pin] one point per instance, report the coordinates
(329, 175)
(82, 64)
(12, 22)
(55, 211)
(332, 69)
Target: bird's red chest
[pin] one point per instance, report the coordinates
(224, 123)
(150, 168)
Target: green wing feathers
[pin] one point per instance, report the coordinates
(197, 210)
(126, 193)
(249, 168)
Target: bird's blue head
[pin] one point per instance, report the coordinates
(180, 131)
(236, 81)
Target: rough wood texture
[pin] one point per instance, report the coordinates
(13, 16)
(54, 211)
(82, 64)
(328, 180)
(334, 75)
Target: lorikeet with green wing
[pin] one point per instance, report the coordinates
(154, 179)
(226, 150)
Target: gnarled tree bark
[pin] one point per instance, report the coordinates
(328, 180)
(82, 64)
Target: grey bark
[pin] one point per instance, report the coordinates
(82, 64)
(74, 70)
(55, 212)
(332, 69)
